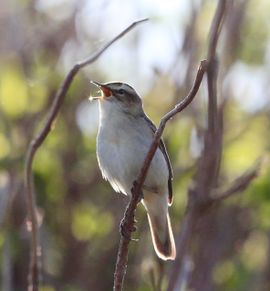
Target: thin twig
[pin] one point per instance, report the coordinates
(128, 221)
(39, 139)
(238, 185)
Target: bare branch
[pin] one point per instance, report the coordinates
(37, 142)
(213, 135)
(208, 167)
(128, 220)
(238, 185)
(215, 29)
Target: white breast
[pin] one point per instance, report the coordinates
(122, 145)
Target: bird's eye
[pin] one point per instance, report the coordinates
(121, 92)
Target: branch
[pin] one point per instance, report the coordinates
(37, 142)
(238, 185)
(128, 220)
(213, 135)
(211, 57)
(208, 167)
(215, 29)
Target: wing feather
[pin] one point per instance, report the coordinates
(163, 149)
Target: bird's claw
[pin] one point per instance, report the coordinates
(126, 230)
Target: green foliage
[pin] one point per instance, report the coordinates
(88, 222)
(255, 33)
(242, 152)
(78, 210)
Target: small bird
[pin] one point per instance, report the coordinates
(124, 137)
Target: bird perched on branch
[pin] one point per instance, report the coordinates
(124, 137)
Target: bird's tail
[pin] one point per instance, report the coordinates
(160, 225)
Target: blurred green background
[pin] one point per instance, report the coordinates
(78, 212)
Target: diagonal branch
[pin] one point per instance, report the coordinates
(37, 142)
(238, 185)
(128, 221)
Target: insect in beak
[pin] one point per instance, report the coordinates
(106, 92)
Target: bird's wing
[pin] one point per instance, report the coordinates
(163, 149)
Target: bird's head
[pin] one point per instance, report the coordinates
(119, 95)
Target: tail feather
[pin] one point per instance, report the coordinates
(160, 225)
(162, 238)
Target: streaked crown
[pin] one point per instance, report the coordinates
(123, 92)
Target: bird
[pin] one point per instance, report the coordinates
(125, 134)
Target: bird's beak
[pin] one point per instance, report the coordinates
(106, 91)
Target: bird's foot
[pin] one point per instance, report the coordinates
(126, 229)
